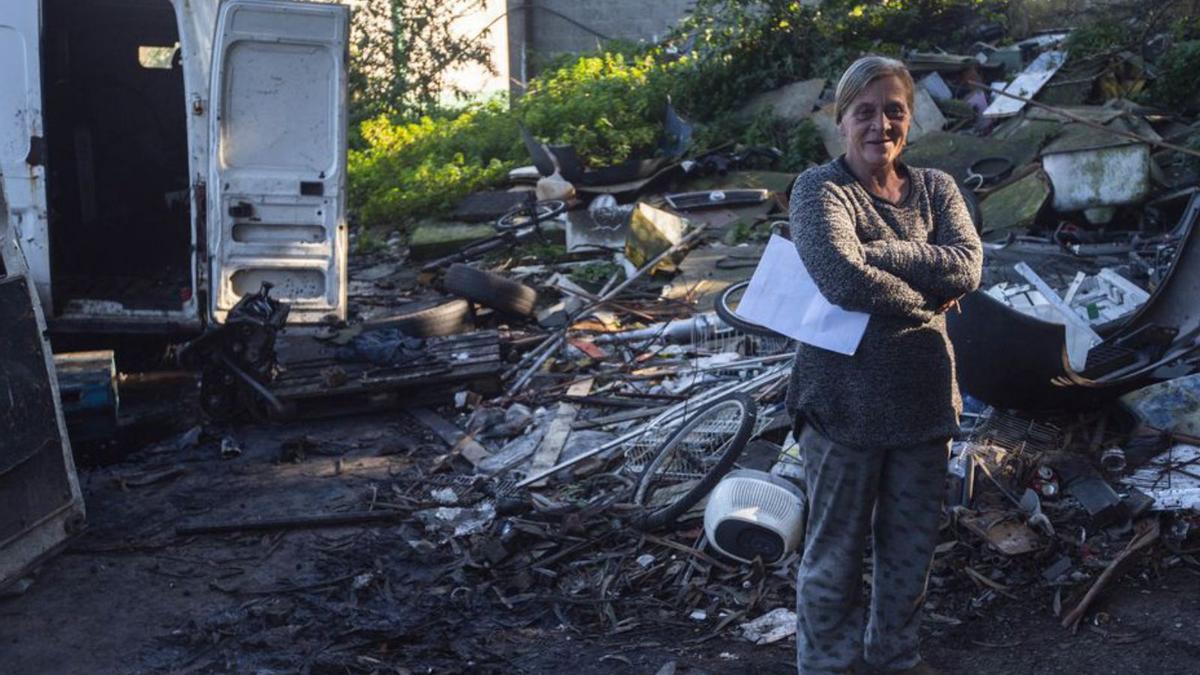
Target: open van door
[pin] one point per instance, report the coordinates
(277, 190)
(22, 145)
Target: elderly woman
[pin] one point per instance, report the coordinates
(897, 243)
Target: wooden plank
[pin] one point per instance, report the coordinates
(472, 451)
(560, 429)
(456, 359)
(354, 385)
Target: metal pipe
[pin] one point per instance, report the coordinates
(667, 415)
(561, 335)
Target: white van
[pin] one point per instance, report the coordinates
(161, 158)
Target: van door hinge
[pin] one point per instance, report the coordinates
(37, 151)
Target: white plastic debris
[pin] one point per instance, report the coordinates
(775, 625)
(645, 560)
(1027, 84)
(445, 496)
(1165, 479)
(457, 522)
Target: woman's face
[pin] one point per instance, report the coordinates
(875, 125)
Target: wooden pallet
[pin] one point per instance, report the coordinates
(449, 364)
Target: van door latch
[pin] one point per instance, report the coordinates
(241, 210)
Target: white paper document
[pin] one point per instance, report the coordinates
(783, 297)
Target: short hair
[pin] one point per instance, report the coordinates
(862, 73)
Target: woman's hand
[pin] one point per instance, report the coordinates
(952, 302)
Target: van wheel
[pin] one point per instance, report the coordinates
(489, 289)
(448, 318)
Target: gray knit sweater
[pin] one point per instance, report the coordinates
(898, 263)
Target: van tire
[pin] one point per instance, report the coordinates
(491, 290)
(449, 318)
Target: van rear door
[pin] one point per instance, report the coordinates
(22, 149)
(276, 207)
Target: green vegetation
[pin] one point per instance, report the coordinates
(1100, 35)
(368, 241)
(594, 274)
(1175, 87)
(610, 105)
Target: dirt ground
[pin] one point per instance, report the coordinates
(131, 596)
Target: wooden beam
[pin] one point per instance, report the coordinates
(466, 446)
(560, 429)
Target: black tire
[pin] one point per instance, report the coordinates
(725, 309)
(449, 318)
(666, 515)
(492, 290)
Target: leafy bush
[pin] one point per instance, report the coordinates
(1101, 34)
(729, 50)
(1176, 83)
(610, 105)
(418, 168)
(888, 26)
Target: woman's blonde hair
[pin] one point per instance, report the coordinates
(862, 73)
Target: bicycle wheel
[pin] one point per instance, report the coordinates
(692, 459)
(528, 214)
(726, 306)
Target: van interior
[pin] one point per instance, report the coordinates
(117, 175)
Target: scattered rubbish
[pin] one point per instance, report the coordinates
(1172, 406)
(792, 102)
(1027, 84)
(1015, 205)
(1146, 533)
(230, 448)
(87, 385)
(599, 429)
(453, 521)
(1090, 168)
(652, 232)
(486, 206)
(716, 198)
(1010, 536)
(752, 514)
(1171, 479)
(1113, 460)
(775, 625)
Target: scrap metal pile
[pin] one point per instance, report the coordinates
(628, 463)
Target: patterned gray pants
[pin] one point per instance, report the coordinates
(893, 494)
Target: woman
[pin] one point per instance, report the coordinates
(897, 243)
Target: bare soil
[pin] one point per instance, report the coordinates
(130, 596)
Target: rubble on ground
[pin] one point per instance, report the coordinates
(555, 356)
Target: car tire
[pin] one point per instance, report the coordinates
(491, 290)
(449, 318)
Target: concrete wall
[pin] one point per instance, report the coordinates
(547, 27)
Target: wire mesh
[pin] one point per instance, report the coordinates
(695, 449)
(698, 450)
(717, 337)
